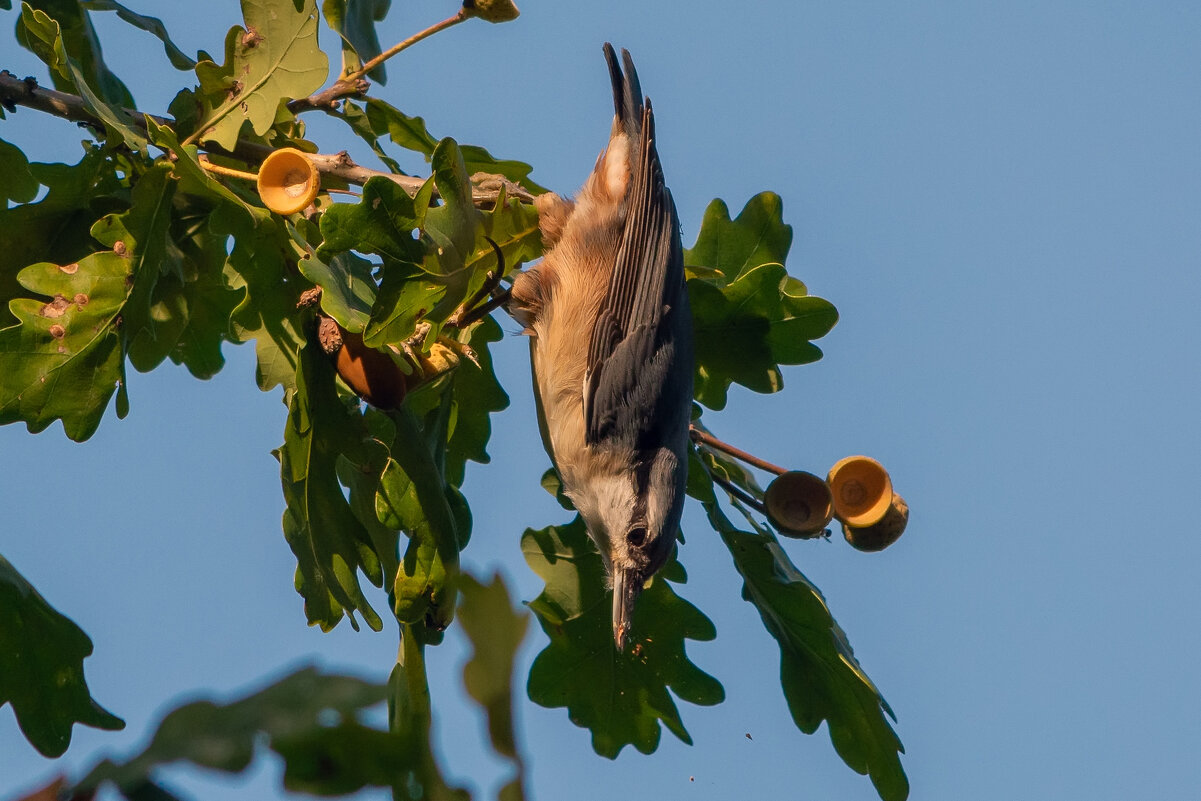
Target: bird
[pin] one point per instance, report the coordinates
(610, 330)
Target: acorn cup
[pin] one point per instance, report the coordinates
(798, 504)
(883, 533)
(862, 491)
(288, 181)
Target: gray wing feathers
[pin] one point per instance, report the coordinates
(639, 359)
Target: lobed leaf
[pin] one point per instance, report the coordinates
(329, 542)
(495, 630)
(819, 674)
(310, 719)
(757, 236)
(620, 697)
(41, 667)
(274, 59)
(56, 228)
(745, 329)
(80, 40)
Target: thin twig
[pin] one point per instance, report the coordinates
(738, 493)
(407, 43)
(700, 435)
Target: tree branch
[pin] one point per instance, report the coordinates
(14, 91)
(700, 435)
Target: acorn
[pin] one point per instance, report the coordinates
(798, 504)
(882, 533)
(287, 181)
(862, 491)
(371, 373)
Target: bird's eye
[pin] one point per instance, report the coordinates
(636, 536)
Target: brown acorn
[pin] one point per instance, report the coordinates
(798, 504)
(372, 374)
(883, 533)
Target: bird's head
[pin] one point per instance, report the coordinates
(633, 516)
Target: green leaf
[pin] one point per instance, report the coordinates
(819, 674)
(44, 35)
(382, 222)
(476, 394)
(620, 697)
(41, 667)
(64, 359)
(310, 719)
(190, 311)
(406, 296)
(152, 25)
(267, 313)
(347, 288)
(412, 134)
(274, 59)
(743, 331)
(80, 40)
(19, 183)
(757, 236)
(329, 542)
(56, 228)
(414, 498)
(495, 630)
(354, 21)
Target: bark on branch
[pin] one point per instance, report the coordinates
(14, 91)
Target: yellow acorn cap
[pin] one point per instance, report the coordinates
(798, 504)
(288, 181)
(882, 533)
(862, 490)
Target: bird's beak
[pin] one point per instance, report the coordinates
(626, 588)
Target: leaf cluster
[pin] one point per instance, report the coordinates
(145, 251)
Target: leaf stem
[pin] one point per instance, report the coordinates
(738, 493)
(407, 43)
(217, 169)
(700, 435)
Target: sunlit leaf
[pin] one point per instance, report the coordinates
(476, 394)
(347, 288)
(41, 667)
(275, 58)
(411, 134)
(383, 222)
(66, 357)
(620, 697)
(745, 329)
(758, 235)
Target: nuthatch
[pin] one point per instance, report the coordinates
(611, 347)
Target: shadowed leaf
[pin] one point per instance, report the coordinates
(329, 542)
(308, 718)
(620, 697)
(819, 674)
(41, 668)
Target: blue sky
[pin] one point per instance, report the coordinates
(1004, 202)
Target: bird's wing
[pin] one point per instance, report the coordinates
(633, 357)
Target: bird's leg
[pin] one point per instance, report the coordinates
(471, 310)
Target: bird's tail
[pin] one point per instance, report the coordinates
(627, 93)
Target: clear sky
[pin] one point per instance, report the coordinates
(1004, 202)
